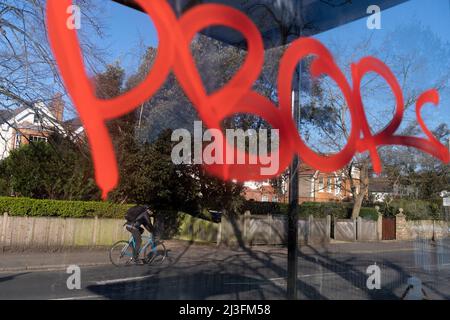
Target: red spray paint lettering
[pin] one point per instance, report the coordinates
(234, 97)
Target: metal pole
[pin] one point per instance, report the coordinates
(293, 204)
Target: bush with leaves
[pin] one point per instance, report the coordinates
(414, 209)
(52, 170)
(21, 206)
(336, 210)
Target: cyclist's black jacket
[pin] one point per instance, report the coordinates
(138, 216)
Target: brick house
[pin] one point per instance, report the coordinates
(261, 192)
(382, 189)
(33, 123)
(75, 128)
(314, 186)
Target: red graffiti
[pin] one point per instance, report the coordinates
(236, 96)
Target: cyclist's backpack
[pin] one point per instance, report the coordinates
(134, 212)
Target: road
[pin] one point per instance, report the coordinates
(337, 271)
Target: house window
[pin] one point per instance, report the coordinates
(274, 199)
(38, 139)
(329, 185)
(321, 184)
(337, 188)
(17, 140)
(264, 198)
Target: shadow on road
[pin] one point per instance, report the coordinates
(12, 277)
(253, 273)
(353, 278)
(196, 286)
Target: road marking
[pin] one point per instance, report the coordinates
(430, 266)
(335, 274)
(374, 251)
(79, 298)
(256, 280)
(105, 282)
(45, 268)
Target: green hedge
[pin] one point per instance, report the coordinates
(414, 209)
(336, 210)
(368, 213)
(256, 207)
(61, 208)
(322, 209)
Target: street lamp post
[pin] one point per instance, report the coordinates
(293, 201)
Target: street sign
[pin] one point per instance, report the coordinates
(446, 201)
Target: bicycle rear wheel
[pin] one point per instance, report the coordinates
(120, 253)
(156, 254)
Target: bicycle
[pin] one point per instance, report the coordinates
(121, 252)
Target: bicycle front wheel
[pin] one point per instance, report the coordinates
(155, 255)
(120, 253)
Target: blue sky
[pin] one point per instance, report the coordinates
(432, 15)
(127, 29)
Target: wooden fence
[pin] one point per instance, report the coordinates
(244, 229)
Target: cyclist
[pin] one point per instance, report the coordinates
(136, 217)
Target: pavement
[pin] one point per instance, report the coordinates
(192, 271)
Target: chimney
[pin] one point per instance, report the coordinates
(57, 107)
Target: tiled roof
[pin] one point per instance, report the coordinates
(8, 114)
(74, 123)
(380, 185)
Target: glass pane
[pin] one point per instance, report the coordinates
(211, 222)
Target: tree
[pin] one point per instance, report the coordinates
(29, 75)
(28, 72)
(169, 109)
(53, 171)
(147, 172)
(327, 127)
(109, 84)
(420, 174)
